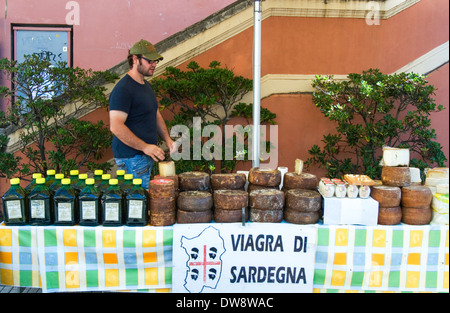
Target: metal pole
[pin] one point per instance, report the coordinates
(256, 82)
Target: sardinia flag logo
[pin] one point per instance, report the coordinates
(204, 265)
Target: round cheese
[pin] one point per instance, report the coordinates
(293, 180)
(252, 187)
(264, 177)
(230, 199)
(389, 216)
(297, 217)
(416, 197)
(174, 178)
(192, 217)
(161, 188)
(303, 200)
(195, 200)
(266, 216)
(229, 216)
(163, 219)
(266, 199)
(387, 196)
(415, 216)
(395, 157)
(161, 205)
(166, 168)
(231, 181)
(396, 176)
(194, 181)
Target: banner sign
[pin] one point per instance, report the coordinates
(257, 257)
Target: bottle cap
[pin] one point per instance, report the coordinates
(82, 176)
(74, 172)
(37, 175)
(40, 181)
(65, 181)
(15, 181)
(51, 172)
(90, 181)
(59, 176)
(137, 181)
(98, 172)
(113, 181)
(106, 176)
(128, 176)
(120, 172)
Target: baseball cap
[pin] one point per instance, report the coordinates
(146, 49)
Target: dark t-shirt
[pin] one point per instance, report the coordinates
(139, 102)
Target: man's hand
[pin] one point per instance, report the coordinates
(155, 152)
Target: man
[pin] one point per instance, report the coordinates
(135, 120)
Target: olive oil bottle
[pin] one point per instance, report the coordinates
(90, 204)
(41, 204)
(113, 205)
(15, 207)
(136, 205)
(32, 184)
(65, 205)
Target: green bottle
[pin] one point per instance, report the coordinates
(137, 205)
(104, 184)
(127, 184)
(90, 204)
(98, 177)
(15, 208)
(120, 175)
(57, 183)
(74, 177)
(65, 204)
(81, 182)
(113, 205)
(32, 184)
(41, 204)
(50, 179)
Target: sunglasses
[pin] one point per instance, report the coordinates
(150, 61)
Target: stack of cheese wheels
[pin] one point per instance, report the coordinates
(389, 199)
(194, 181)
(229, 181)
(266, 205)
(228, 205)
(263, 178)
(395, 171)
(175, 182)
(194, 207)
(162, 202)
(293, 180)
(302, 206)
(416, 205)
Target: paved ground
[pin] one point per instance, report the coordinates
(12, 289)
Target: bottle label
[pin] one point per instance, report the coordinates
(88, 209)
(135, 208)
(64, 212)
(14, 209)
(37, 208)
(111, 211)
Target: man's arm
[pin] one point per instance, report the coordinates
(121, 131)
(163, 132)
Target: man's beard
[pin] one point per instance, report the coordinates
(141, 70)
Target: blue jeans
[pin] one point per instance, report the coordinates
(140, 166)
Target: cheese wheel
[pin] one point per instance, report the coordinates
(194, 200)
(161, 205)
(297, 217)
(163, 219)
(302, 181)
(394, 157)
(303, 200)
(231, 181)
(264, 177)
(415, 216)
(174, 178)
(230, 199)
(194, 181)
(266, 199)
(161, 188)
(416, 197)
(435, 181)
(389, 216)
(252, 187)
(438, 172)
(266, 216)
(387, 196)
(166, 168)
(396, 176)
(192, 217)
(229, 216)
